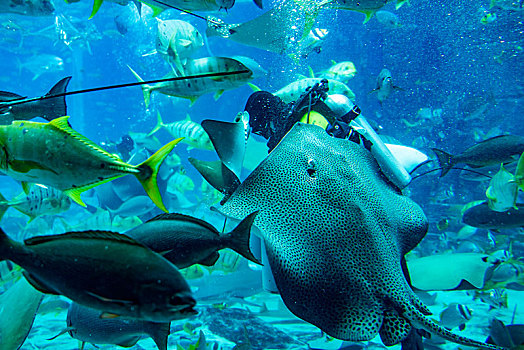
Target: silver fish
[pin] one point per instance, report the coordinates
(87, 325)
(176, 41)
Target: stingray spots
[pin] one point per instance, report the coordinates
(394, 328)
(334, 240)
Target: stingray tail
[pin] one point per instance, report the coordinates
(238, 239)
(419, 320)
(445, 160)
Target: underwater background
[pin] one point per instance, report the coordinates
(459, 69)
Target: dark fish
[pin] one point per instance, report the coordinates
(493, 151)
(482, 217)
(87, 325)
(511, 336)
(103, 270)
(185, 240)
(48, 109)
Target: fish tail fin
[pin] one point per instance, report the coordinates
(159, 124)
(239, 237)
(3, 206)
(148, 172)
(56, 107)
(159, 333)
(445, 160)
(519, 172)
(96, 7)
(5, 245)
(400, 3)
(258, 3)
(146, 89)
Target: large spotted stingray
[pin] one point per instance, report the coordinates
(335, 231)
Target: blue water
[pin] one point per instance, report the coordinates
(442, 57)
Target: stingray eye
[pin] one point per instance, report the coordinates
(311, 168)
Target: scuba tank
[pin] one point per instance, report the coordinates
(350, 114)
(271, 118)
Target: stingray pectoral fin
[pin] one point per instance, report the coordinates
(395, 328)
(217, 174)
(148, 172)
(228, 140)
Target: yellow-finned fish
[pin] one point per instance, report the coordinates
(292, 92)
(159, 6)
(367, 7)
(519, 173)
(342, 71)
(193, 133)
(55, 155)
(194, 88)
(176, 41)
(40, 200)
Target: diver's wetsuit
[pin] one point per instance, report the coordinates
(272, 118)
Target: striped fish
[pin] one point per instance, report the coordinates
(55, 155)
(176, 41)
(342, 71)
(194, 88)
(292, 92)
(193, 133)
(39, 200)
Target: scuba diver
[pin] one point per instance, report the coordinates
(272, 118)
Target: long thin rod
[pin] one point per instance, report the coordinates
(118, 86)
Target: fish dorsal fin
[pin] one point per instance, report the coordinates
(182, 217)
(62, 124)
(108, 235)
(6, 96)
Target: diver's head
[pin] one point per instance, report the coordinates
(125, 146)
(265, 110)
